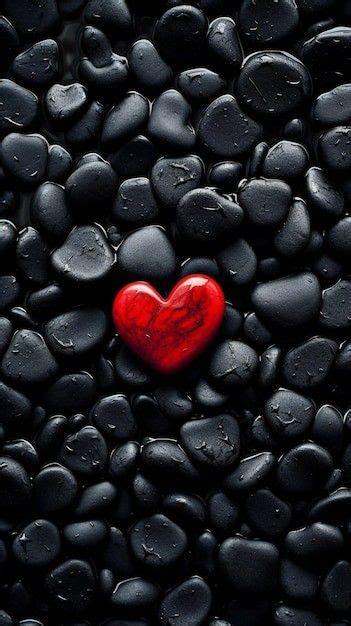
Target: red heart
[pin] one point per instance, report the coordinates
(168, 333)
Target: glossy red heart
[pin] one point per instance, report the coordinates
(168, 333)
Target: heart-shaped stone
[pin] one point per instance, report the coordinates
(168, 333)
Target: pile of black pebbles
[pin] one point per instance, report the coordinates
(149, 140)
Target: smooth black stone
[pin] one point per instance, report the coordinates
(54, 489)
(9, 45)
(249, 566)
(200, 84)
(287, 160)
(85, 535)
(288, 302)
(70, 394)
(109, 79)
(335, 590)
(316, 541)
(173, 178)
(255, 332)
(20, 107)
(190, 601)
(213, 442)
(95, 499)
(304, 469)
(289, 414)
(86, 129)
(208, 398)
(123, 459)
(233, 365)
(27, 360)
(282, 78)
(113, 417)
(296, 582)
(224, 45)
(336, 306)
(334, 150)
(77, 332)
(266, 23)
(174, 402)
(91, 188)
(293, 236)
(9, 290)
(76, 579)
(309, 364)
(251, 472)
(223, 513)
(49, 212)
(180, 34)
(38, 65)
(169, 122)
(164, 458)
(157, 542)
(130, 370)
(135, 595)
(238, 262)
(185, 509)
(85, 452)
(268, 366)
(46, 301)
(206, 553)
(25, 157)
(339, 240)
(225, 175)
(85, 257)
(117, 556)
(225, 130)
(5, 333)
(16, 408)
(146, 495)
(135, 203)
(59, 164)
(268, 514)
(328, 429)
(265, 201)
(147, 254)
(38, 544)
(125, 119)
(204, 215)
(51, 436)
(326, 54)
(343, 360)
(8, 236)
(150, 70)
(32, 19)
(32, 256)
(111, 15)
(333, 107)
(324, 197)
(134, 158)
(15, 487)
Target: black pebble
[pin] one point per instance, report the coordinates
(135, 202)
(147, 254)
(309, 363)
(180, 34)
(90, 188)
(173, 178)
(233, 365)
(190, 601)
(15, 486)
(38, 65)
(150, 70)
(304, 469)
(77, 332)
(169, 123)
(74, 578)
(249, 566)
(157, 542)
(19, 109)
(114, 418)
(25, 157)
(38, 544)
(213, 442)
(32, 19)
(125, 119)
(85, 452)
(28, 360)
(266, 23)
(54, 489)
(49, 212)
(265, 201)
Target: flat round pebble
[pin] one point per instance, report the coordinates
(157, 542)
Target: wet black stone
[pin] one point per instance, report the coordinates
(135, 202)
(251, 472)
(125, 119)
(268, 514)
(134, 158)
(28, 360)
(77, 332)
(9, 290)
(265, 201)
(326, 56)
(213, 442)
(95, 499)
(113, 417)
(32, 256)
(339, 240)
(135, 595)
(206, 216)
(25, 157)
(59, 163)
(49, 212)
(84, 535)
(71, 393)
(20, 107)
(32, 19)
(293, 236)
(173, 178)
(223, 513)
(75, 579)
(165, 458)
(38, 65)
(86, 129)
(123, 459)
(296, 582)
(322, 194)
(333, 107)
(85, 452)
(287, 160)
(266, 23)
(111, 15)
(334, 149)
(38, 544)
(200, 84)
(233, 365)
(225, 130)
(335, 311)
(224, 45)
(238, 262)
(190, 601)
(309, 364)
(225, 175)
(335, 590)
(249, 566)
(282, 78)
(157, 542)
(15, 486)
(9, 43)
(147, 254)
(85, 257)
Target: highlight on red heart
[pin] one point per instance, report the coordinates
(168, 333)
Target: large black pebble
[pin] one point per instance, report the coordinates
(71, 586)
(147, 254)
(38, 65)
(33, 19)
(38, 544)
(77, 332)
(180, 34)
(19, 107)
(25, 157)
(85, 452)
(249, 566)
(157, 542)
(28, 360)
(91, 188)
(190, 601)
(213, 442)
